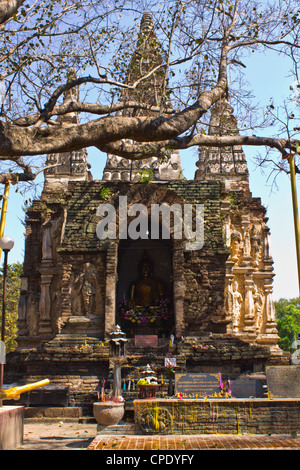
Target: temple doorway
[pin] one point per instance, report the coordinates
(145, 287)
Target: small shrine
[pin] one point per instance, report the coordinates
(148, 384)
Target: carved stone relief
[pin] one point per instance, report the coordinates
(52, 235)
(255, 246)
(236, 246)
(237, 303)
(258, 307)
(84, 291)
(33, 315)
(248, 291)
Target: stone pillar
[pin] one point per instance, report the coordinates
(249, 317)
(225, 210)
(247, 259)
(269, 335)
(23, 308)
(110, 287)
(45, 328)
(270, 321)
(178, 288)
(66, 291)
(229, 295)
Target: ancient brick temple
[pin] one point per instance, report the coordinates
(210, 308)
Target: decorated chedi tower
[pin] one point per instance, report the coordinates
(66, 166)
(249, 267)
(151, 91)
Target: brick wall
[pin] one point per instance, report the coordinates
(230, 416)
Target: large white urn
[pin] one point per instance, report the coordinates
(108, 413)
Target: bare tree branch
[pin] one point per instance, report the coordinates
(137, 151)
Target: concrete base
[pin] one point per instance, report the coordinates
(58, 412)
(11, 427)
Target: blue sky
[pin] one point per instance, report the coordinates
(268, 76)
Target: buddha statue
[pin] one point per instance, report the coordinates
(147, 291)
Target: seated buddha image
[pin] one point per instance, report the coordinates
(147, 291)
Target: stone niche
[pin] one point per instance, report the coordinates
(82, 295)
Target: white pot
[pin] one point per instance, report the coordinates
(108, 413)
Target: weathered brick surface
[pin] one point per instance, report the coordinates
(213, 416)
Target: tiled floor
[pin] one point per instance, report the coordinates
(199, 442)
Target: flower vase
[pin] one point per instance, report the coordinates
(170, 387)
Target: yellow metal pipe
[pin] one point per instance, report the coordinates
(4, 210)
(295, 213)
(15, 392)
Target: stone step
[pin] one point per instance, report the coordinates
(121, 429)
(63, 413)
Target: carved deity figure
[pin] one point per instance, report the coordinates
(22, 309)
(147, 291)
(47, 242)
(85, 286)
(255, 244)
(236, 307)
(235, 245)
(51, 234)
(258, 303)
(32, 314)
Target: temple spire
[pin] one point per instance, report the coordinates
(66, 166)
(147, 56)
(146, 23)
(229, 163)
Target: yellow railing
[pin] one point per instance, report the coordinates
(4, 210)
(15, 392)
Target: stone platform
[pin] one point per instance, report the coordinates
(11, 427)
(218, 416)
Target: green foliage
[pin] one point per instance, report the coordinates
(105, 193)
(234, 204)
(14, 272)
(288, 322)
(146, 175)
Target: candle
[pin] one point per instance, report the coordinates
(102, 391)
(220, 380)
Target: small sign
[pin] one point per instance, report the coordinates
(283, 381)
(245, 387)
(202, 385)
(2, 353)
(144, 341)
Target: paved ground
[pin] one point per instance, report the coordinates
(77, 436)
(58, 435)
(202, 442)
